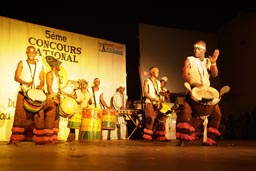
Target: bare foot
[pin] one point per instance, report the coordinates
(71, 137)
(13, 142)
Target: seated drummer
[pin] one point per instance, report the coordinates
(196, 71)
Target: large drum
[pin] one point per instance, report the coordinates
(68, 107)
(204, 100)
(109, 119)
(75, 120)
(34, 100)
(90, 125)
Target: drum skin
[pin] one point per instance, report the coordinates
(34, 100)
(68, 106)
(205, 95)
(204, 100)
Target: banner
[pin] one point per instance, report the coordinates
(82, 57)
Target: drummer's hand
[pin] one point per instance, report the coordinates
(30, 83)
(214, 56)
(40, 87)
(56, 101)
(90, 102)
(196, 84)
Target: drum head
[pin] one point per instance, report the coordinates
(36, 95)
(68, 105)
(205, 95)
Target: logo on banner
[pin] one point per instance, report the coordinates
(110, 48)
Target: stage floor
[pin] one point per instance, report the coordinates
(128, 155)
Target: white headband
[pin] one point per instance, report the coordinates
(199, 46)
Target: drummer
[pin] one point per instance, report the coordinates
(196, 71)
(97, 100)
(82, 98)
(29, 74)
(47, 122)
(164, 92)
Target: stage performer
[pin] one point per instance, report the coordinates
(119, 103)
(151, 90)
(82, 98)
(29, 74)
(47, 122)
(196, 71)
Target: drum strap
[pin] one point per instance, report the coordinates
(95, 105)
(205, 118)
(156, 89)
(32, 76)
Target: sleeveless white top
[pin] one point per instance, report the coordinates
(199, 70)
(28, 71)
(153, 91)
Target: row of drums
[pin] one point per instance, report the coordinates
(91, 122)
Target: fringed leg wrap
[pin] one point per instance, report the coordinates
(17, 134)
(211, 134)
(42, 136)
(185, 133)
(147, 134)
(161, 135)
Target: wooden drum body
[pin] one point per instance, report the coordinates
(34, 100)
(204, 100)
(109, 119)
(90, 125)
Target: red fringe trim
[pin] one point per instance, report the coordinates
(41, 139)
(43, 131)
(55, 138)
(185, 136)
(209, 141)
(18, 137)
(161, 138)
(18, 129)
(147, 137)
(213, 130)
(160, 132)
(148, 131)
(186, 125)
(55, 130)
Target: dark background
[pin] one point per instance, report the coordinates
(119, 22)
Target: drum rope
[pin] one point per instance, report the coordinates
(32, 76)
(205, 118)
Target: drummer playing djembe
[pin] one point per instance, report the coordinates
(196, 71)
(29, 73)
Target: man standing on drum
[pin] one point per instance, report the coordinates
(47, 123)
(29, 74)
(196, 71)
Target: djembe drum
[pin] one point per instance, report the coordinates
(34, 100)
(68, 107)
(204, 99)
